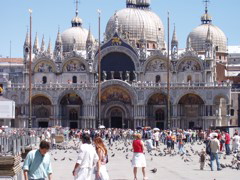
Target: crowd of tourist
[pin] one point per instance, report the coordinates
(93, 157)
(93, 152)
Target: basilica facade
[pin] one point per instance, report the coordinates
(134, 67)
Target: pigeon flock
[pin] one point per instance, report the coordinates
(121, 152)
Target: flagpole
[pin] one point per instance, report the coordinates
(30, 73)
(99, 67)
(168, 78)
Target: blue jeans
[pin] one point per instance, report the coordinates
(227, 146)
(214, 156)
(180, 148)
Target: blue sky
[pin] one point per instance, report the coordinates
(49, 14)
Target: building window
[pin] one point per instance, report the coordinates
(232, 112)
(44, 80)
(74, 79)
(1, 70)
(158, 79)
(189, 79)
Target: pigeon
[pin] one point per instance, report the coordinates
(113, 155)
(55, 159)
(154, 170)
(63, 159)
(70, 159)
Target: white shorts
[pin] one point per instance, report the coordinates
(139, 160)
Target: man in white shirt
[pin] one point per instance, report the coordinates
(87, 160)
(215, 147)
(236, 143)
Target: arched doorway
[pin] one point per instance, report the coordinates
(71, 110)
(118, 66)
(116, 118)
(157, 110)
(191, 110)
(116, 105)
(42, 108)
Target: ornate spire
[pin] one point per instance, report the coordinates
(35, 46)
(206, 18)
(27, 40)
(174, 38)
(209, 36)
(26, 47)
(174, 45)
(58, 45)
(49, 50)
(90, 37)
(43, 45)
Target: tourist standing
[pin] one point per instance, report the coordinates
(227, 143)
(37, 164)
(235, 143)
(101, 170)
(138, 160)
(87, 160)
(215, 147)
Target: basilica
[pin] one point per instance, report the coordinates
(134, 64)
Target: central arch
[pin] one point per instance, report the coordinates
(116, 104)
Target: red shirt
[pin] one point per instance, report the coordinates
(137, 146)
(227, 138)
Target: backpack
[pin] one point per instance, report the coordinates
(208, 148)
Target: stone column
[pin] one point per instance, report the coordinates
(121, 73)
(112, 74)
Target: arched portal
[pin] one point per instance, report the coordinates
(42, 111)
(116, 106)
(118, 65)
(191, 111)
(71, 110)
(157, 110)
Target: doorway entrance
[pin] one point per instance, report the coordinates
(191, 125)
(116, 122)
(42, 124)
(73, 125)
(160, 125)
(116, 118)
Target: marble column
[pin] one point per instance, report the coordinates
(112, 74)
(121, 73)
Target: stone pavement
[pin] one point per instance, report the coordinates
(168, 167)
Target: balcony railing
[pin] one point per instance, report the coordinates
(134, 85)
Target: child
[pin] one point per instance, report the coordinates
(149, 144)
(202, 160)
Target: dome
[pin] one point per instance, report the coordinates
(199, 35)
(133, 20)
(74, 35)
